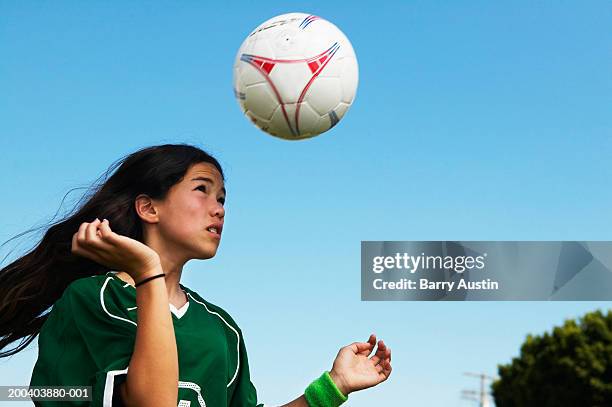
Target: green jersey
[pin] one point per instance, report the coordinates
(88, 340)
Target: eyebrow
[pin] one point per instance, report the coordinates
(208, 180)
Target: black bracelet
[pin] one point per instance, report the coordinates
(149, 279)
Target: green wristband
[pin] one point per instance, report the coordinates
(324, 393)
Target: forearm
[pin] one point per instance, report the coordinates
(323, 391)
(152, 377)
(302, 402)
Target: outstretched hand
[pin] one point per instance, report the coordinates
(354, 370)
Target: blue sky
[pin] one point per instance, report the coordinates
(473, 121)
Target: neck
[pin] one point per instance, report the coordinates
(171, 267)
(173, 274)
(171, 263)
(175, 294)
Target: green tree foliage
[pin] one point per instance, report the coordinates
(572, 366)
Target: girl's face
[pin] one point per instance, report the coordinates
(191, 215)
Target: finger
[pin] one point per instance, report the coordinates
(91, 230)
(375, 359)
(381, 350)
(83, 251)
(386, 369)
(92, 242)
(366, 350)
(79, 245)
(379, 368)
(78, 249)
(371, 342)
(360, 348)
(75, 244)
(106, 234)
(81, 232)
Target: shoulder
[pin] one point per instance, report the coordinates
(87, 287)
(79, 301)
(211, 308)
(100, 295)
(83, 287)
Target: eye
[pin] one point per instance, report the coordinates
(221, 200)
(202, 188)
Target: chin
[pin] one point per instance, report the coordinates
(205, 256)
(206, 253)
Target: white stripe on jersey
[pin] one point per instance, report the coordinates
(194, 387)
(232, 328)
(109, 386)
(104, 306)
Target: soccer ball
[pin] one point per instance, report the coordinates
(295, 76)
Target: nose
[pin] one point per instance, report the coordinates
(218, 210)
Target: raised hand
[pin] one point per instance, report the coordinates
(354, 370)
(96, 241)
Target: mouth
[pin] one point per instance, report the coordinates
(215, 230)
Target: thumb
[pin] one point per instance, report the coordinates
(360, 348)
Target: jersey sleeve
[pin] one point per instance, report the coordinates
(92, 346)
(245, 394)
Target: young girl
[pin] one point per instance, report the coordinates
(121, 320)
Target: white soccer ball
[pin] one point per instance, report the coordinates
(295, 76)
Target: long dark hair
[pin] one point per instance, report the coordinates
(30, 285)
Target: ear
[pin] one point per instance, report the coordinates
(146, 210)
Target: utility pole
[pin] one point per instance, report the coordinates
(482, 395)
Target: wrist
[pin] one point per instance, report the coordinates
(323, 392)
(145, 272)
(339, 382)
